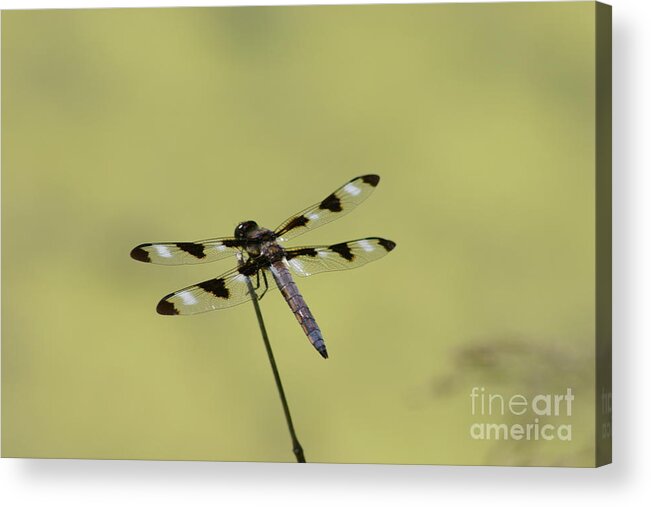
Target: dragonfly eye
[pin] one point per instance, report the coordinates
(243, 229)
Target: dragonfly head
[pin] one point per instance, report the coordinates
(245, 229)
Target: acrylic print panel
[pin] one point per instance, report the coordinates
(472, 342)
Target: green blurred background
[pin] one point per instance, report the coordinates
(126, 126)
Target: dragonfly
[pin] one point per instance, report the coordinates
(265, 263)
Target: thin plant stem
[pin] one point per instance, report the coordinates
(296, 445)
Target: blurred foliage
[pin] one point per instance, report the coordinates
(125, 126)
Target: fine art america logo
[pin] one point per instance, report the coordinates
(529, 417)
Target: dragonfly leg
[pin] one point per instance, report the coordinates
(266, 283)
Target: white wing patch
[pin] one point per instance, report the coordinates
(188, 298)
(298, 267)
(352, 189)
(163, 251)
(366, 245)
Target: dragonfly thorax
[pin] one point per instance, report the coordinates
(257, 240)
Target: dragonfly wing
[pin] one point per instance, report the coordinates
(339, 203)
(197, 252)
(306, 261)
(225, 291)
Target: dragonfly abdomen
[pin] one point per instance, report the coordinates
(299, 307)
